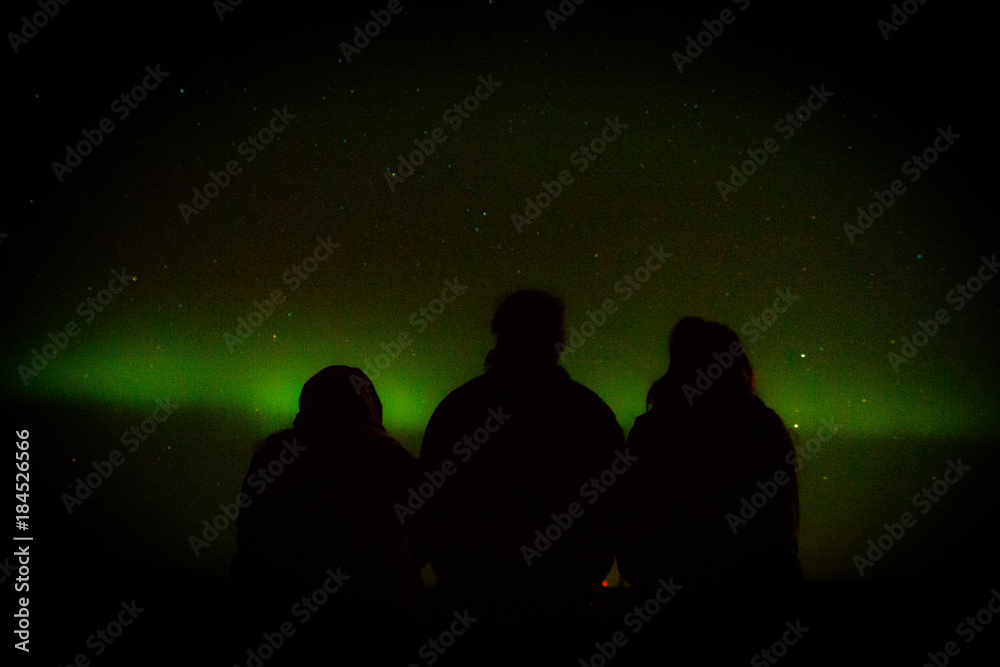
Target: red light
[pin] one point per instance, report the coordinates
(604, 583)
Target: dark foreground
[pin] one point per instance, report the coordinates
(180, 617)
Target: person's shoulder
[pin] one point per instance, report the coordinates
(581, 390)
(364, 448)
(463, 394)
(768, 420)
(584, 394)
(652, 425)
(279, 437)
(644, 421)
(273, 443)
(587, 400)
(392, 449)
(764, 412)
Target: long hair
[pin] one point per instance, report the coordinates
(697, 347)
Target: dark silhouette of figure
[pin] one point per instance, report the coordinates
(321, 518)
(523, 439)
(706, 443)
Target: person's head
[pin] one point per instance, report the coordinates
(703, 353)
(339, 395)
(528, 325)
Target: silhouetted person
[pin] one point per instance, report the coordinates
(523, 439)
(321, 518)
(705, 443)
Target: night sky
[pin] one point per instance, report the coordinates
(359, 263)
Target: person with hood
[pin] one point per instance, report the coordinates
(524, 442)
(319, 543)
(706, 443)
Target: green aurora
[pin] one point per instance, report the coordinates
(825, 358)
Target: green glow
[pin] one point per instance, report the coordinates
(257, 382)
(655, 185)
